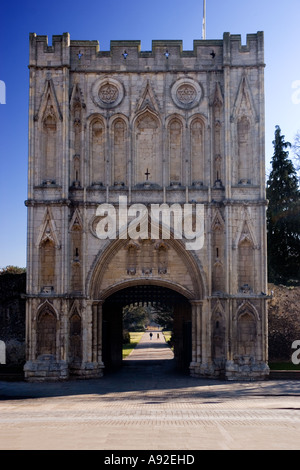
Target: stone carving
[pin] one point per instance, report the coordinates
(186, 93)
(108, 93)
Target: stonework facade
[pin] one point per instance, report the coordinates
(162, 126)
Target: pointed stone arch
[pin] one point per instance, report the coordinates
(97, 151)
(148, 100)
(120, 150)
(48, 118)
(194, 285)
(76, 223)
(218, 334)
(247, 306)
(247, 245)
(244, 150)
(218, 277)
(247, 325)
(244, 102)
(47, 256)
(217, 101)
(77, 97)
(46, 331)
(246, 234)
(75, 337)
(217, 130)
(245, 267)
(47, 243)
(48, 230)
(218, 252)
(197, 149)
(77, 107)
(49, 95)
(175, 142)
(245, 118)
(76, 251)
(245, 230)
(45, 306)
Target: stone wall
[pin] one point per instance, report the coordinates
(12, 318)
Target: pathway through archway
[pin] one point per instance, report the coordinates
(149, 351)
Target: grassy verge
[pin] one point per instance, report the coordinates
(283, 366)
(167, 335)
(134, 340)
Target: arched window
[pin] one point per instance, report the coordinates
(77, 129)
(217, 167)
(148, 165)
(244, 146)
(47, 264)
(245, 264)
(49, 132)
(246, 334)
(46, 333)
(218, 256)
(175, 151)
(119, 153)
(75, 339)
(218, 277)
(76, 256)
(218, 336)
(97, 154)
(197, 151)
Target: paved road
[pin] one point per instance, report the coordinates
(148, 405)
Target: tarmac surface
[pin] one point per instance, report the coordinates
(148, 405)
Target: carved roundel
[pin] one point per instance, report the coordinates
(186, 93)
(107, 92)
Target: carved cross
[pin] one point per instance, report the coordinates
(147, 174)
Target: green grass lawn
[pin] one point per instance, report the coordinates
(167, 335)
(134, 339)
(284, 366)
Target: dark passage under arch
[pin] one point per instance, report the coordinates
(146, 294)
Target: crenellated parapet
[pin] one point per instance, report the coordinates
(128, 56)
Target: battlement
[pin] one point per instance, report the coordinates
(127, 55)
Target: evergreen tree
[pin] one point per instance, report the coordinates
(283, 215)
(296, 150)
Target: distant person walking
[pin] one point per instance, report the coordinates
(150, 335)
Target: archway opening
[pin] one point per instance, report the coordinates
(154, 296)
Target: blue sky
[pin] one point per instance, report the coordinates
(136, 20)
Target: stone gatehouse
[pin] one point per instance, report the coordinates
(166, 126)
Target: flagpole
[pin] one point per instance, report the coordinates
(204, 20)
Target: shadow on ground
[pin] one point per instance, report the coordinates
(140, 379)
